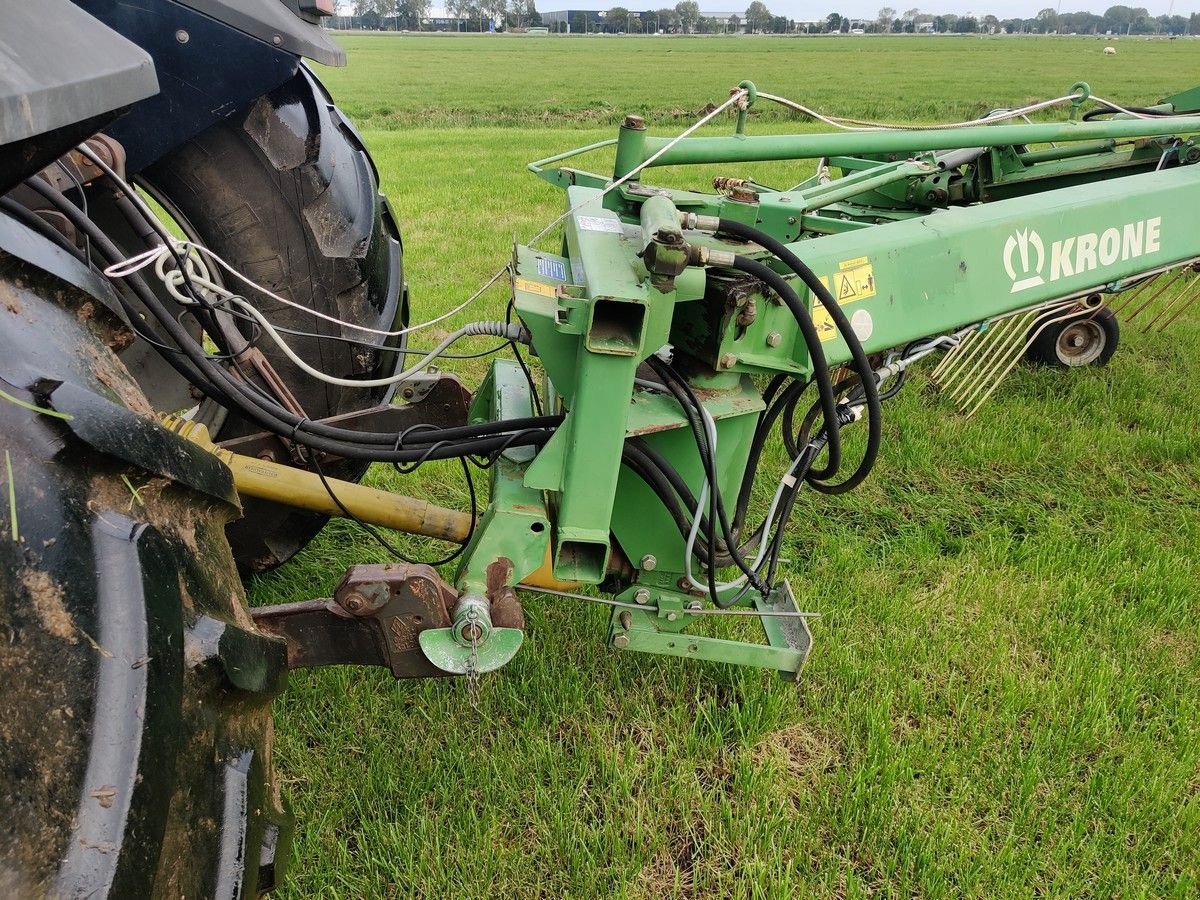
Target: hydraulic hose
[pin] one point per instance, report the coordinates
(195, 366)
(791, 299)
(870, 385)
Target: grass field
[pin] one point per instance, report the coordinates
(1004, 699)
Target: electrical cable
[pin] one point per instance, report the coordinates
(534, 397)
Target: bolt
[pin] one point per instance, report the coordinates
(407, 393)
(641, 595)
(182, 36)
(671, 617)
(635, 122)
(791, 220)
(354, 603)
(728, 361)
(774, 339)
(621, 641)
(277, 40)
(626, 619)
(649, 562)
(693, 604)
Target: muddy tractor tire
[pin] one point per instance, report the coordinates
(135, 728)
(288, 195)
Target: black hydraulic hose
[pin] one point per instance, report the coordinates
(34, 222)
(635, 459)
(786, 400)
(230, 392)
(870, 384)
(682, 391)
(791, 299)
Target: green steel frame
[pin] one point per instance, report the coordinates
(921, 233)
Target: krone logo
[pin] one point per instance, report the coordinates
(1019, 262)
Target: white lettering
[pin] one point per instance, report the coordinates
(1060, 259)
(1080, 253)
(1085, 253)
(1152, 227)
(1132, 246)
(1110, 246)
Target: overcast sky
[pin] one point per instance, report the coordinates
(809, 10)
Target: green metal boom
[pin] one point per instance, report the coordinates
(915, 233)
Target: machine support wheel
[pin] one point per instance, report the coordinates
(1087, 339)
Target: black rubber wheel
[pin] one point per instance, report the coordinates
(287, 194)
(135, 715)
(1087, 339)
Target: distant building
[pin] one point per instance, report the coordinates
(577, 21)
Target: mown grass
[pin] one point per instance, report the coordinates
(397, 81)
(1004, 699)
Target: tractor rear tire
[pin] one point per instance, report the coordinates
(288, 195)
(135, 710)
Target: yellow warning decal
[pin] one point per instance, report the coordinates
(853, 282)
(535, 287)
(826, 330)
(850, 285)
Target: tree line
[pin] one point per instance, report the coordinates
(686, 18)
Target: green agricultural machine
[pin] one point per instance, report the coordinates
(176, 410)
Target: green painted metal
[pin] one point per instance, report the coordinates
(515, 526)
(755, 148)
(509, 544)
(913, 240)
(500, 646)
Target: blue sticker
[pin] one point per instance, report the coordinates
(551, 268)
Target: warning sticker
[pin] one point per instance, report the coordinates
(535, 287)
(854, 281)
(826, 330)
(595, 223)
(854, 284)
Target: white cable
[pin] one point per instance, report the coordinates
(737, 96)
(198, 276)
(135, 263)
(864, 125)
(788, 480)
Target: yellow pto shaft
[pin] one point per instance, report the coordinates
(266, 480)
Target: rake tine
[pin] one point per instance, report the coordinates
(1046, 323)
(997, 335)
(950, 360)
(1187, 295)
(1137, 312)
(992, 377)
(1182, 309)
(1133, 294)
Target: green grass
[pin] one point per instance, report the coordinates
(396, 82)
(1004, 699)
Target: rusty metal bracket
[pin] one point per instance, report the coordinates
(374, 619)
